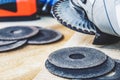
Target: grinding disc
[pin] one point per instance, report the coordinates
(17, 32)
(74, 57)
(81, 73)
(3, 42)
(45, 36)
(71, 18)
(79, 62)
(113, 75)
(12, 46)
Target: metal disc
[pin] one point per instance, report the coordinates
(17, 32)
(4, 42)
(74, 57)
(71, 18)
(45, 36)
(12, 46)
(99, 70)
(113, 75)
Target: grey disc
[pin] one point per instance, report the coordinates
(17, 32)
(71, 18)
(113, 75)
(74, 57)
(102, 69)
(45, 36)
(4, 42)
(12, 46)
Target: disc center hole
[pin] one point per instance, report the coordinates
(16, 31)
(77, 56)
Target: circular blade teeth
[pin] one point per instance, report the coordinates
(71, 18)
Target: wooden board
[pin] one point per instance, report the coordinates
(25, 62)
(28, 62)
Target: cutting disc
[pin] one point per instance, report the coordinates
(81, 73)
(45, 36)
(17, 32)
(74, 57)
(12, 46)
(64, 66)
(4, 42)
(113, 75)
(71, 18)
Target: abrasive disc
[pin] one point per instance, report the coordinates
(4, 42)
(74, 57)
(45, 36)
(17, 32)
(81, 73)
(71, 18)
(79, 62)
(113, 75)
(12, 45)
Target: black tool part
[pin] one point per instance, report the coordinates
(70, 18)
(105, 39)
(113, 75)
(45, 36)
(99, 70)
(12, 46)
(3, 42)
(73, 58)
(20, 18)
(42, 8)
(17, 32)
(9, 5)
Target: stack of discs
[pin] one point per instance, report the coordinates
(16, 36)
(80, 63)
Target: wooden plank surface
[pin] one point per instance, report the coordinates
(27, 63)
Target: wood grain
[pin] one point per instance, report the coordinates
(28, 62)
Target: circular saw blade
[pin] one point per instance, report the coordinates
(71, 18)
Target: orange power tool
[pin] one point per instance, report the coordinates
(18, 10)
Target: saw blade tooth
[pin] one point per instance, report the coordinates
(86, 27)
(74, 19)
